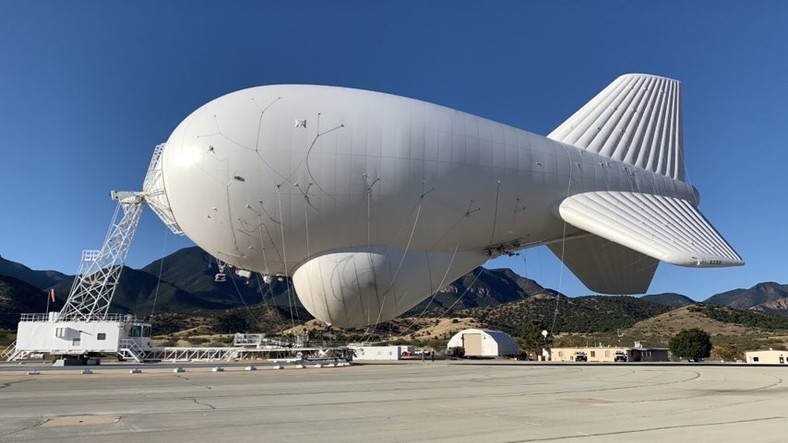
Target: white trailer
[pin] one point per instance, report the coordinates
(115, 333)
(376, 352)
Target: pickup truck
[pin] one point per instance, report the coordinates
(581, 356)
(621, 356)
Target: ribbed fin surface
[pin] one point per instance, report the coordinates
(665, 228)
(635, 120)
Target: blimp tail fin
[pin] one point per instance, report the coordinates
(606, 267)
(636, 120)
(665, 228)
(630, 233)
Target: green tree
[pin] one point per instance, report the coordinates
(693, 344)
(532, 339)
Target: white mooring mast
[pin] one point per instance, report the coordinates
(84, 326)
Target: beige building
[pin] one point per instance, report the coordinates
(770, 357)
(609, 354)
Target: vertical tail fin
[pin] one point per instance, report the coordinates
(635, 120)
(606, 267)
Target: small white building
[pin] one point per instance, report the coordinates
(484, 343)
(376, 352)
(37, 333)
(770, 357)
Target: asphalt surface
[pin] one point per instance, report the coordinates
(417, 401)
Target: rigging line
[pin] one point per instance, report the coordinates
(262, 242)
(307, 204)
(434, 294)
(306, 218)
(450, 229)
(161, 268)
(367, 336)
(368, 333)
(695, 195)
(306, 195)
(560, 281)
(230, 217)
(284, 254)
(525, 249)
(260, 121)
(262, 295)
(369, 238)
(369, 187)
(359, 291)
(377, 321)
(407, 248)
(267, 268)
(468, 288)
(265, 264)
(402, 260)
(248, 311)
(495, 213)
(605, 167)
(369, 214)
(309, 152)
(563, 247)
(417, 207)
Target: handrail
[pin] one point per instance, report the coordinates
(8, 351)
(127, 318)
(134, 348)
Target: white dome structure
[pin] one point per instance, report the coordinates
(484, 343)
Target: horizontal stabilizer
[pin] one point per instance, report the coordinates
(665, 228)
(606, 267)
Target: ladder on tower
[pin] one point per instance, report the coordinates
(84, 325)
(100, 270)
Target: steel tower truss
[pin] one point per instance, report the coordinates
(100, 270)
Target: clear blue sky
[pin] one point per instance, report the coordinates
(88, 88)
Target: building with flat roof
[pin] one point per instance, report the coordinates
(609, 354)
(768, 357)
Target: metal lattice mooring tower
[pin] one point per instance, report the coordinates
(100, 270)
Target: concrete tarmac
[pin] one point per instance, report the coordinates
(438, 401)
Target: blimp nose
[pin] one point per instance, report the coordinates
(155, 192)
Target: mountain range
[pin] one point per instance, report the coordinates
(39, 279)
(184, 282)
(17, 296)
